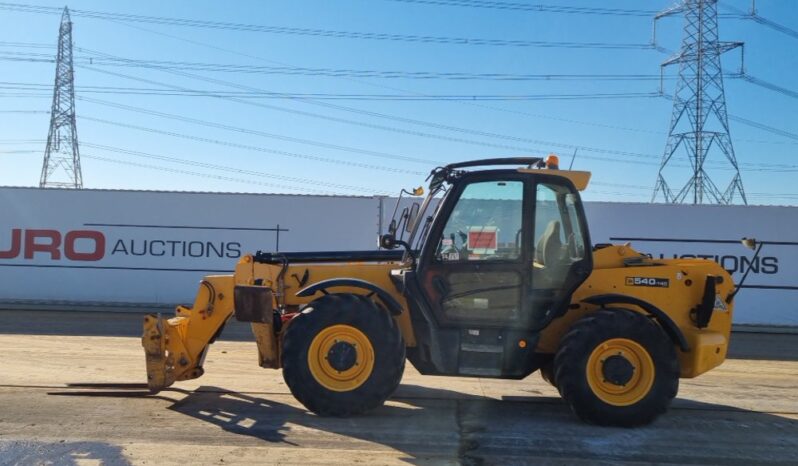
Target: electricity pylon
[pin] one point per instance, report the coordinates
(61, 167)
(699, 122)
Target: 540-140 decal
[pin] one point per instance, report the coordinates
(648, 281)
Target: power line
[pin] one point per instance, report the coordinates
(31, 55)
(225, 168)
(6, 5)
(326, 96)
(26, 94)
(752, 15)
(314, 158)
(332, 72)
(26, 111)
(23, 141)
(211, 124)
(259, 133)
(379, 115)
(367, 113)
(411, 38)
(537, 8)
(541, 8)
(161, 168)
(367, 83)
(33, 45)
(475, 104)
(339, 72)
(764, 127)
(754, 124)
(773, 87)
(745, 121)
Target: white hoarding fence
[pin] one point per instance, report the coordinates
(94, 246)
(144, 248)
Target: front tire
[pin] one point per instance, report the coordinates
(342, 355)
(617, 368)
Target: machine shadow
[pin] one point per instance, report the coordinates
(427, 425)
(434, 425)
(25, 452)
(430, 425)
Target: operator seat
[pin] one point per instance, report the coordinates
(549, 246)
(546, 280)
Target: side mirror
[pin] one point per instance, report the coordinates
(387, 241)
(752, 244)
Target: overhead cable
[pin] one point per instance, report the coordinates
(18, 86)
(314, 158)
(226, 168)
(226, 127)
(541, 8)
(412, 38)
(162, 168)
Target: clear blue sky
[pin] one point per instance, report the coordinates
(635, 126)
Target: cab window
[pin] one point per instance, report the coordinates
(558, 239)
(485, 224)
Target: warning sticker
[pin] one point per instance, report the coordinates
(451, 256)
(720, 304)
(648, 281)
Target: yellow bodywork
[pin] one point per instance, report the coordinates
(578, 178)
(175, 347)
(708, 346)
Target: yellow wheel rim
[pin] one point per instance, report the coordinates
(341, 358)
(616, 385)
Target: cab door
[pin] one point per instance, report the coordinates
(506, 252)
(561, 258)
(476, 265)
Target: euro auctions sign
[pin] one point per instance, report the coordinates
(90, 245)
(52, 242)
(137, 247)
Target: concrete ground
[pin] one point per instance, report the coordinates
(71, 394)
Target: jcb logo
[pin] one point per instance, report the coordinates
(648, 281)
(76, 245)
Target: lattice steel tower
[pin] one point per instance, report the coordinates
(61, 168)
(699, 122)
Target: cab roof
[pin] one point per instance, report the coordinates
(532, 165)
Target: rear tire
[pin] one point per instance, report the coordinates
(342, 355)
(616, 367)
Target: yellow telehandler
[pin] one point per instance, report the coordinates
(497, 277)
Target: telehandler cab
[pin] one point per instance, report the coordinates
(497, 278)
